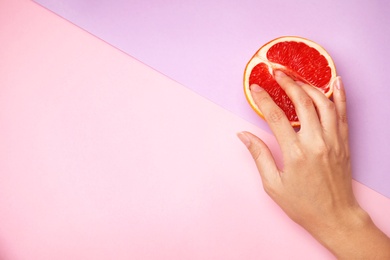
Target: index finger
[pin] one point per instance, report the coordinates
(274, 115)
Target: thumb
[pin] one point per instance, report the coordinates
(262, 155)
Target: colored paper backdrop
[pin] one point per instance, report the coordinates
(205, 45)
(93, 166)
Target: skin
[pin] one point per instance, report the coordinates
(314, 188)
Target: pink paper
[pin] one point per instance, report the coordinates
(102, 157)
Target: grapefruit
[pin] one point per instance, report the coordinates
(301, 59)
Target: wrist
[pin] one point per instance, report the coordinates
(339, 230)
(353, 235)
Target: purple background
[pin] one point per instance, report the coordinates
(205, 46)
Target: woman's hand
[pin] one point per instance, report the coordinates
(314, 187)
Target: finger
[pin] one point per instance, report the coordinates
(303, 104)
(340, 101)
(274, 116)
(263, 158)
(326, 109)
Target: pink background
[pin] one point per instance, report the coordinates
(205, 45)
(102, 157)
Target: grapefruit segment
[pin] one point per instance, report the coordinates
(299, 58)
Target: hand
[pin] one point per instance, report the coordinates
(314, 187)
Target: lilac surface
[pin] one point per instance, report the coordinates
(205, 46)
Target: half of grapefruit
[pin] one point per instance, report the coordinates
(299, 58)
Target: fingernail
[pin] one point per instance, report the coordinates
(256, 88)
(244, 139)
(279, 74)
(338, 83)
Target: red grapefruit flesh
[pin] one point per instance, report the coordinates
(299, 58)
